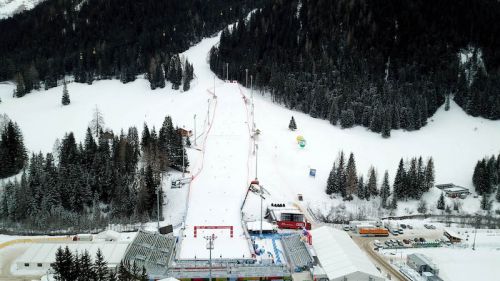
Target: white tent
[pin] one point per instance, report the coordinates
(341, 258)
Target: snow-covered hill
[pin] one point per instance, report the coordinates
(454, 139)
(11, 7)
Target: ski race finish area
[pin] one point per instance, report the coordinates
(217, 191)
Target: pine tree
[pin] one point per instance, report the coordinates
(351, 176)
(429, 175)
(394, 202)
(330, 183)
(447, 103)
(292, 125)
(188, 142)
(385, 191)
(86, 271)
(399, 181)
(372, 183)
(361, 188)
(441, 203)
(412, 180)
(340, 181)
(12, 150)
(65, 95)
(100, 267)
(97, 123)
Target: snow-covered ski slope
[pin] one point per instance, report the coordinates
(219, 186)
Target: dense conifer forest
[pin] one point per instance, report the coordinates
(109, 178)
(380, 64)
(97, 39)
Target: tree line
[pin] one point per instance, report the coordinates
(486, 180)
(111, 39)
(412, 180)
(384, 65)
(107, 178)
(70, 266)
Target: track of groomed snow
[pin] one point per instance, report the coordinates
(217, 191)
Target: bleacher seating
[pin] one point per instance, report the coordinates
(151, 250)
(296, 251)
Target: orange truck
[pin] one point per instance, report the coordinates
(379, 232)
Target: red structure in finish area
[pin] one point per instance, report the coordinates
(230, 227)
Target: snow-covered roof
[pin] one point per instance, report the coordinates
(113, 252)
(456, 189)
(452, 233)
(109, 235)
(339, 255)
(169, 279)
(255, 226)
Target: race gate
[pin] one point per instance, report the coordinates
(230, 227)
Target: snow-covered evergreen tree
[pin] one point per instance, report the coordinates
(351, 176)
(292, 125)
(385, 191)
(441, 203)
(65, 95)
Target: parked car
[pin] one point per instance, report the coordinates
(400, 231)
(409, 226)
(388, 243)
(394, 232)
(422, 239)
(406, 241)
(400, 243)
(346, 228)
(416, 239)
(403, 226)
(432, 226)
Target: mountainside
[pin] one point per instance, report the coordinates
(380, 64)
(11, 7)
(97, 39)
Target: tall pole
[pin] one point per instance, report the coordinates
(246, 78)
(208, 112)
(158, 204)
(260, 208)
(210, 246)
(195, 129)
(256, 147)
(183, 166)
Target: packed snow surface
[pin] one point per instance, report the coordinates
(217, 191)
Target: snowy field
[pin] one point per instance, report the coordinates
(455, 140)
(457, 263)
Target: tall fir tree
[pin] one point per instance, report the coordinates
(399, 181)
(441, 204)
(292, 125)
(429, 175)
(351, 176)
(65, 95)
(385, 191)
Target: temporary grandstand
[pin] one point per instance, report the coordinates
(153, 251)
(296, 251)
(340, 257)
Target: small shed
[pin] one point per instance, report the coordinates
(452, 236)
